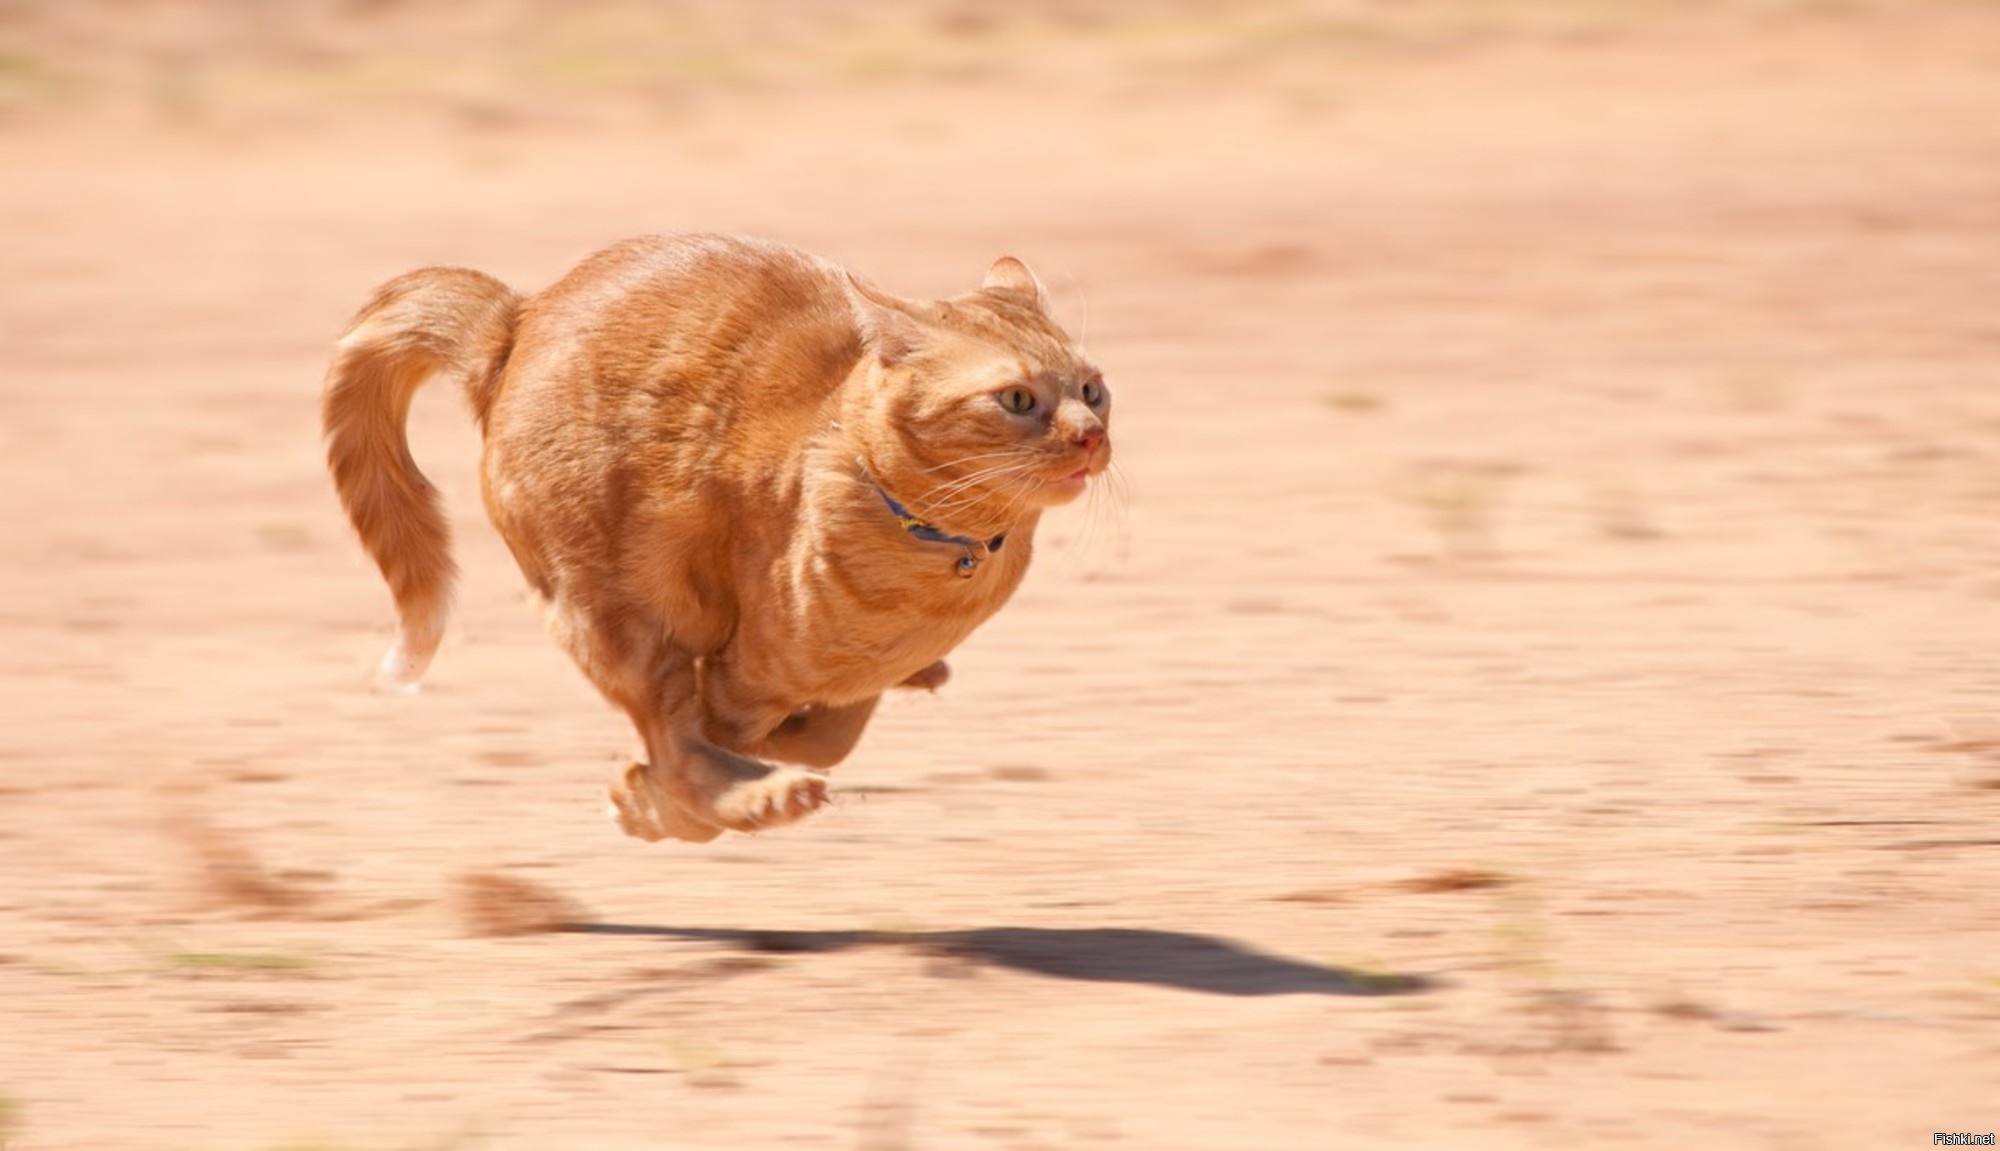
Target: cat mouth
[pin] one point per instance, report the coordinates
(1065, 480)
(1069, 484)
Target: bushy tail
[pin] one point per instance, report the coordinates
(435, 321)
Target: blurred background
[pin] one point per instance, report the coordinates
(1538, 679)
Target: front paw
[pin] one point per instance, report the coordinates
(785, 795)
(929, 679)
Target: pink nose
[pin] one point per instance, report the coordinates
(1088, 439)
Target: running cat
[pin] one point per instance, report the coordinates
(751, 491)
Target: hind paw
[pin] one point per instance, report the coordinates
(644, 810)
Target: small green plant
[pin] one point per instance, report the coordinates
(1521, 934)
(1568, 1018)
(179, 91)
(1461, 502)
(704, 1063)
(256, 962)
(893, 931)
(471, 1136)
(84, 974)
(1368, 977)
(25, 79)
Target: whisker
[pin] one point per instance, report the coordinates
(1113, 522)
(969, 493)
(1018, 504)
(944, 494)
(1076, 554)
(976, 475)
(1006, 509)
(1026, 455)
(979, 456)
(1083, 303)
(1121, 502)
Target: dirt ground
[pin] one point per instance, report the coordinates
(1539, 688)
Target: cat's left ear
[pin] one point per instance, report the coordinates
(1011, 275)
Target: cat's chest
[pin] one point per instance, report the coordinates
(893, 618)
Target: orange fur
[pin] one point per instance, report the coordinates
(684, 439)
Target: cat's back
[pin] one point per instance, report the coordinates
(658, 403)
(723, 320)
(701, 274)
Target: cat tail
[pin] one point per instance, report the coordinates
(436, 321)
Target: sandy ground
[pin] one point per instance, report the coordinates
(1540, 689)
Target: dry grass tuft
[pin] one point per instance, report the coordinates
(490, 904)
(231, 875)
(1456, 879)
(1315, 895)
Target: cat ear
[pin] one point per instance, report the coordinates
(1011, 275)
(887, 328)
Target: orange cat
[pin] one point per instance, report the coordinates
(751, 491)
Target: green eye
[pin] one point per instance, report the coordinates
(1093, 392)
(1020, 401)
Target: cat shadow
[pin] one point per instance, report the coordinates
(1176, 959)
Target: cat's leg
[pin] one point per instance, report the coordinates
(824, 736)
(649, 679)
(692, 779)
(929, 679)
(698, 780)
(818, 736)
(694, 789)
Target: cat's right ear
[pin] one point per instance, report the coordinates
(887, 329)
(1009, 274)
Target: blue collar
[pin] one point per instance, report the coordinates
(923, 529)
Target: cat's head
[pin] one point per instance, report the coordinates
(977, 409)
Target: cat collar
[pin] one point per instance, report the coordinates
(923, 529)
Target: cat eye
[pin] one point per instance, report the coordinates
(1093, 392)
(1020, 401)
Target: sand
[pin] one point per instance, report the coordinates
(1538, 686)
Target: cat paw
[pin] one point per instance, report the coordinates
(929, 679)
(786, 795)
(644, 810)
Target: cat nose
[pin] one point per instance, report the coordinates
(1088, 438)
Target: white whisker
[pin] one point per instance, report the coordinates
(979, 456)
(978, 473)
(1083, 305)
(945, 493)
(972, 500)
(974, 491)
(1121, 500)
